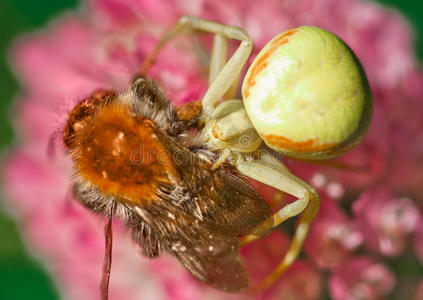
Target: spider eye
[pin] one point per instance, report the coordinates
(307, 94)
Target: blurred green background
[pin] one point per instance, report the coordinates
(21, 276)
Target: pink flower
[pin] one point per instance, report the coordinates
(418, 240)
(333, 237)
(419, 292)
(361, 278)
(105, 46)
(301, 281)
(386, 221)
(68, 236)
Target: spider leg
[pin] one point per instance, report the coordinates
(222, 77)
(267, 169)
(218, 61)
(218, 56)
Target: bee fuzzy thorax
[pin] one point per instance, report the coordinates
(122, 155)
(112, 139)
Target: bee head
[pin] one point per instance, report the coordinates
(82, 113)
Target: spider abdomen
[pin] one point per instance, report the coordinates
(307, 95)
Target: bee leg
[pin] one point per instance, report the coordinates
(270, 171)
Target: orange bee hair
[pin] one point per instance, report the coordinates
(122, 155)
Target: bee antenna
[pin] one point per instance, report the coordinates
(108, 232)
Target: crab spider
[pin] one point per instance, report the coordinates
(305, 95)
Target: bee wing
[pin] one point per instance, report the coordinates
(160, 224)
(242, 207)
(199, 216)
(222, 196)
(210, 255)
(225, 272)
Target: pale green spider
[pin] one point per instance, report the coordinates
(305, 95)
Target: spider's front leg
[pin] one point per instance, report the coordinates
(218, 61)
(223, 75)
(263, 167)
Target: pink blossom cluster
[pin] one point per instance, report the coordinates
(371, 197)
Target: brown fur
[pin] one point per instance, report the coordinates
(168, 196)
(122, 156)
